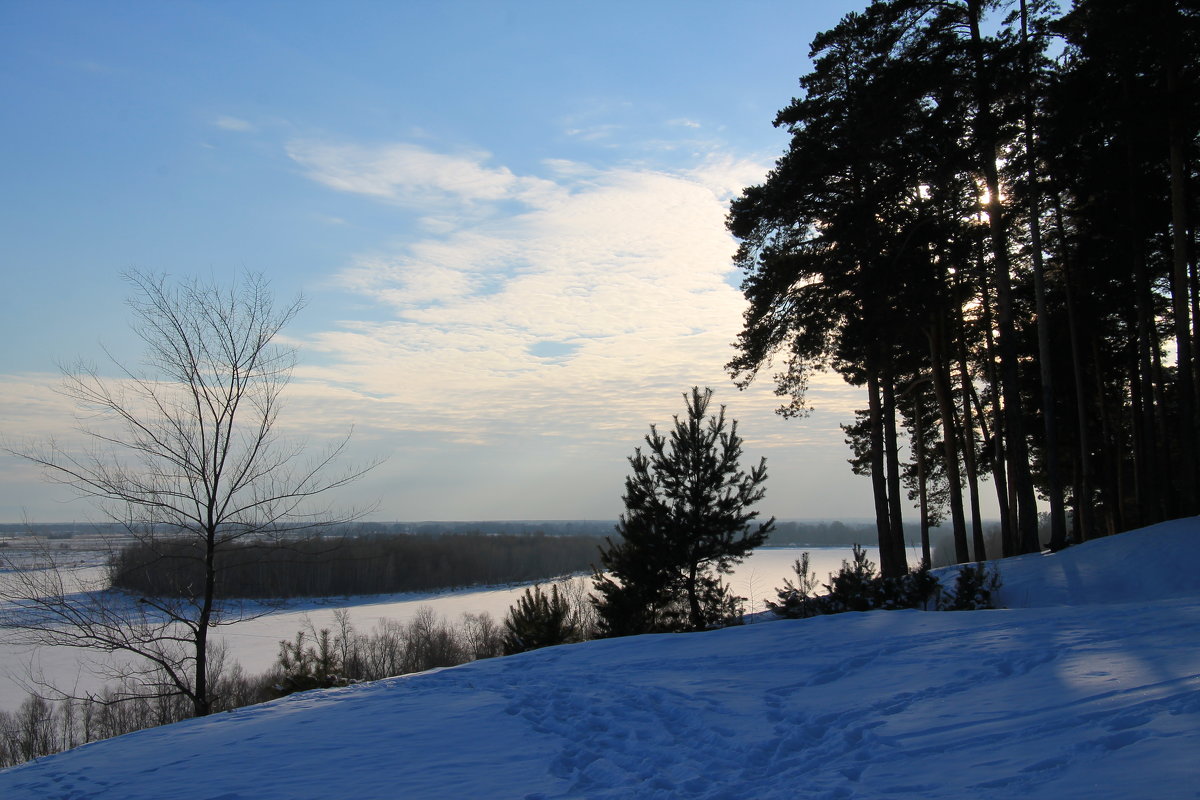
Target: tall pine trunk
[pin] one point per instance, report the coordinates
(883, 522)
(1008, 535)
(1188, 442)
(898, 558)
(1014, 423)
(1085, 472)
(970, 456)
(942, 391)
(919, 446)
(1058, 523)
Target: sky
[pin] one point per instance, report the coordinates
(506, 221)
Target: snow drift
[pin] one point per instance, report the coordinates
(1087, 685)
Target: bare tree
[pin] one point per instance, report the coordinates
(186, 455)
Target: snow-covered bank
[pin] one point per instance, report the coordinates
(1155, 563)
(1088, 686)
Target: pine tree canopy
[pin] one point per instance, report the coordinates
(687, 521)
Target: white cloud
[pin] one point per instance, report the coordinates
(32, 405)
(594, 133)
(234, 124)
(413, 175)
(627, 266)
(565, 168)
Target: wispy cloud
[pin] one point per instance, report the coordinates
(33, 406)
(624, 269)
(594, 133)
(234, 124)
(413, 175)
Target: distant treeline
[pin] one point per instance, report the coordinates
(61, 530)
(840, 534)
(547, 527)
(819, 534)
(550, 527)
(345, 566)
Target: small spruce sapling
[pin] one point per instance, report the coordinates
(853, 588)
(539, 620)
(796, 599)
(307, 667)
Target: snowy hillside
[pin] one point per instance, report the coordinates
(1088, 686)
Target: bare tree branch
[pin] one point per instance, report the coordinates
(183, 448)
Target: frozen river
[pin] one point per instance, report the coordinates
(255, 643)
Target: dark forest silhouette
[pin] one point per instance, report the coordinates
(993, 234)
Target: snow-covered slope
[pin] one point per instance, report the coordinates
(1156, 563)
(1088, 686)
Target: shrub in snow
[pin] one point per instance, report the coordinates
(539, 620)
(307, 667)
(974, 588)
(856, 587)
(914, 589)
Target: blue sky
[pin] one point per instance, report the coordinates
(507, 220)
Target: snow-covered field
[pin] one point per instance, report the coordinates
(1087, 686)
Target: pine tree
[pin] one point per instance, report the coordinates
(538, 620)
(687, 522)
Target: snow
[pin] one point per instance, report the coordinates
(1088, 685)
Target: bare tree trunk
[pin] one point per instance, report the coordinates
(922, 493)
(696, 616)
(1194, 283)
(1086, 472)
(201, 699)
(1115, 443)
(968, 444)
(899, 558)
(942, 391)
(1148, 481)
(878, 475)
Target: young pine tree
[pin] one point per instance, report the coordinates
(687, 521)
(539, 620)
